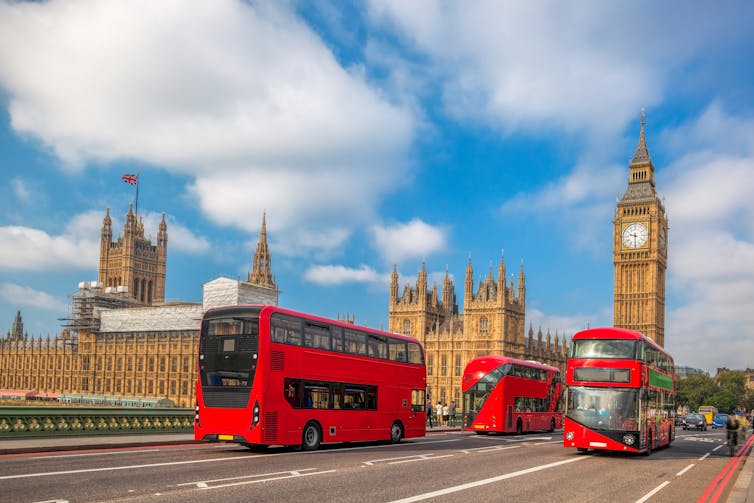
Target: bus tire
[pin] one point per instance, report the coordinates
(311, 437)
(519, 427)
(396, 432)
(552, 425)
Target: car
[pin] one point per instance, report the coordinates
(719, 420)
(694, 421)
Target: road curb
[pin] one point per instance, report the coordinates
(743, 491)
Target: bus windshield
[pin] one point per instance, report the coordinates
(604, 348)
(475, 396)
(603, 409)
(228, 352)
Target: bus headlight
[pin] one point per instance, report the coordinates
(569, 435)
(629, 439)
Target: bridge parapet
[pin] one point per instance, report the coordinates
(16, 422)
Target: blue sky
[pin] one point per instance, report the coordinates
(378, 133)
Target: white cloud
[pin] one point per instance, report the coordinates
(24, 248)
(25, 296)
(180, 237)
(586, 66)
(339, 274)
(243, 97)
(20, 189)
(415, 239)
(77, 247)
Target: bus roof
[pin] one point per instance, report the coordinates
(267, 310)
(617, 333)
(486, 363)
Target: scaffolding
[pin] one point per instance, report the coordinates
(85, 307)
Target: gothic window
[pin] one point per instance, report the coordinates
(430, 361)
(443, 365)
(458, 365)
(407, 327)
(143, 288)
(149, 292)
(483, 325)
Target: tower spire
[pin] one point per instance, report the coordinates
(261, 273)
(642, 152)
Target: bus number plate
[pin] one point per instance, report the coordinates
(225, 437)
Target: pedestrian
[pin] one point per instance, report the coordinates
(438, 409)
(429, 411)
(446, 413)
(452, 411)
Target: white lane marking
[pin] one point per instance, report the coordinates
(120, 453)
(207, 482)
(490, 448)
(422, 457)
(685, 469)
(704, 457)
(470, 485)
(401, 459)
(128, 467)
(652, 492)
(246, 482)
(716, 448)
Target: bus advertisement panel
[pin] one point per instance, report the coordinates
(620, 392)
(271, 376)
(502, 394)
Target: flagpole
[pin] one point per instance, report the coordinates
(137, 194)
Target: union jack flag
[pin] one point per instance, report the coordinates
(130, 179)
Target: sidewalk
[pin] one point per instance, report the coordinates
(743, 490)
(82, 442)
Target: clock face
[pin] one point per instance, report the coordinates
(635, 235)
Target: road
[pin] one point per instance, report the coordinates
(438, 467)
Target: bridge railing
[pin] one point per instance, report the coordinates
(16, 422)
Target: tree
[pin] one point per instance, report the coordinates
(694, 391)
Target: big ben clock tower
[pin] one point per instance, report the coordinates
(640, 250)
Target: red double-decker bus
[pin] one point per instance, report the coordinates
(270, 376)
(502, 394)
(620, 392)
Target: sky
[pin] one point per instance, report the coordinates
(377, 134)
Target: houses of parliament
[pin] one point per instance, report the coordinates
(123, 339)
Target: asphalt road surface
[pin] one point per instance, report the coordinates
(457, 466)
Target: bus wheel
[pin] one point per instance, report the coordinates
(396, 432)
(519, 427)
(312, 437)
(552, 425)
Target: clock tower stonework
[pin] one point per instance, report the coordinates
(640, 250)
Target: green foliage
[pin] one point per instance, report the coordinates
(726, 391)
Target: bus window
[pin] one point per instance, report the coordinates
(336, 334)
(397, 350)
(377, 346)
(415, 353)
(316, 336)
(417, 400)
(355, 342)
(286, 330)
